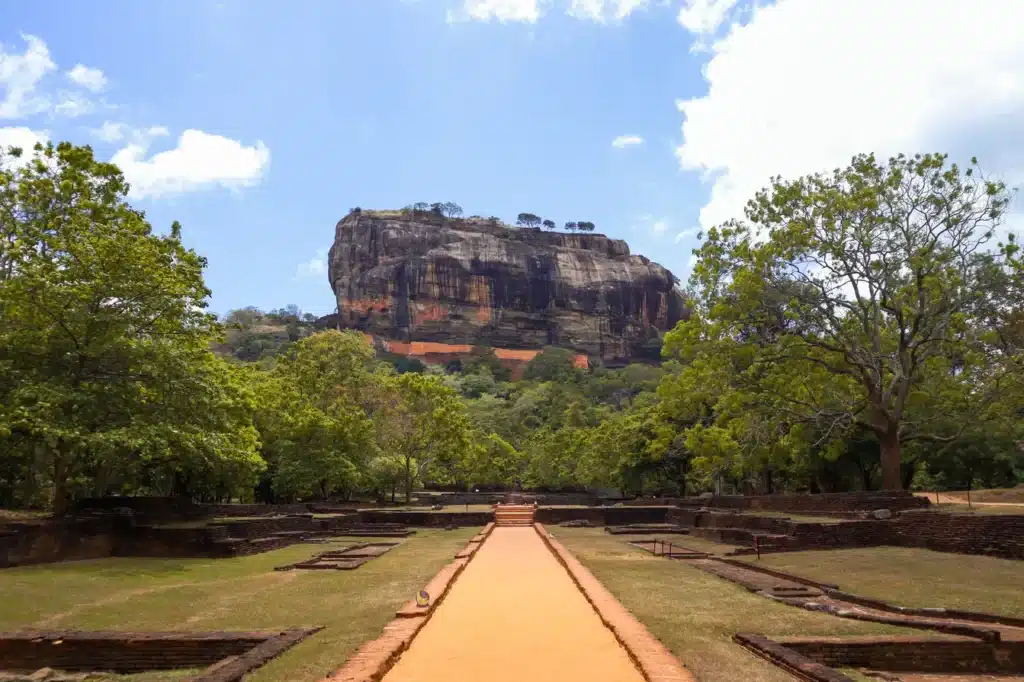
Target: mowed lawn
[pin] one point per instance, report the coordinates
(243, 593)
(696, 614)
(914, 577)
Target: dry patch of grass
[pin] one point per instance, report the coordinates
(22, 515)
(243, 593)
(695, 614)
(914, 577)
(987, 508)
(1014, 495)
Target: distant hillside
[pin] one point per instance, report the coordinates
(254, 335)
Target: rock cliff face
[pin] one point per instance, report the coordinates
(424, 278)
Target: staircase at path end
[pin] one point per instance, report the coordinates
(514, 514)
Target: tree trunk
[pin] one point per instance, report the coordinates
(408, 479)
(890, 444)
(60, 483)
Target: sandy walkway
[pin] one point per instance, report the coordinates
(514, 614)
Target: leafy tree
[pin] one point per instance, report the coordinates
(868, 304)
(421, 207)
(552, 364)
(585, 226)
(437, 208)
(549, 224)
(484, 358)
(451, 209)
(571, 226)
(316, 434)
(104, 342)
(496, 463)
(422, 422)
(528, 220)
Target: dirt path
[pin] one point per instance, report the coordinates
(961, 498)
(513, 615)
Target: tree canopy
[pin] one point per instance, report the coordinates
(862, 301)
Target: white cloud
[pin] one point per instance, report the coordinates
(604, 10)
(19, 78)
(24, 138)
(529, 11)
(200, 161)
(109, 132)
(687, 234)
(315, 267)
(627, 141)
(73, 105)
(704, 16)
(804, 85)
(90, 79)
(659, 226)
(503, 10)
(115, 132)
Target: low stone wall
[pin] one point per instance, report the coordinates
(120, 652)
(602, 516)
(807, 503)
(912, 654)
(136, 652)
(999, 535)
(261, 527)
(429, 519)
(243, 510)
(145, 509)
(60, 540)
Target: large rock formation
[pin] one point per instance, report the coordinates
(425, 278)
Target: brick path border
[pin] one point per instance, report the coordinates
(375, 658)
(654, 661)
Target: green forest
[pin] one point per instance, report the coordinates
(858, 329)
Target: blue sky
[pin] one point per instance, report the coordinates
(258, 124)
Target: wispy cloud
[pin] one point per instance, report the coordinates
(687, 234)
(90, 79)
(623, 141)
(314, 267)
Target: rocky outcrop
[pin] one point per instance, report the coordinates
(426, 278)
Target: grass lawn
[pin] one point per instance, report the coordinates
(914, 577)
(695, 614)
(688, 541)
(243, 593)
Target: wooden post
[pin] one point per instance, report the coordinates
(757, 546)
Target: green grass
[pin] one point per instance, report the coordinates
(688, 541)
(695, 614)
(243, 593)
(914, 577)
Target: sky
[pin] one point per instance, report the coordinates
(258, 124)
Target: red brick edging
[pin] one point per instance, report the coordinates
(654, 661)
(375, 658)
(794, 663)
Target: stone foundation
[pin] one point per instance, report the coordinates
(135, 652)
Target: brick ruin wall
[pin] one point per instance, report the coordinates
(998, 535)
(807, 503)
(120, 652)
(913, 654)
